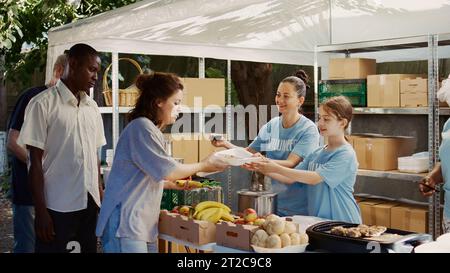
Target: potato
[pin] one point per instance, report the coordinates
(273, 241)
(290, 228)
(304, 239)
(285, 240)
(295, 239)
(275, 227)
(259, 238)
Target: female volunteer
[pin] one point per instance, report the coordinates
(287, 140)
(330, 170)
(128, 220)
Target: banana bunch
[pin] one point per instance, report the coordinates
(212, 211)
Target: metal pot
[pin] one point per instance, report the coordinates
(263, 202)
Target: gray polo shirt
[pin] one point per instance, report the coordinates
(136, 181)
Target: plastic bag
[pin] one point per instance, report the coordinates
(444, 92)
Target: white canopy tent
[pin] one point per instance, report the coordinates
(256, 30)
(277, 31)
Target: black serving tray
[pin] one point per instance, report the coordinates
(320, 239)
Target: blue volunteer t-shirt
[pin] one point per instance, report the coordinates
(444, 154)
(301, 139)
(333, 197)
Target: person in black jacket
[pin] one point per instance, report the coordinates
(23, 210)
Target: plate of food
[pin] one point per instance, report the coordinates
(286, 249)
(236, 156)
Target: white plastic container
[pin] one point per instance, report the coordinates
(417, 163)
(236, 156)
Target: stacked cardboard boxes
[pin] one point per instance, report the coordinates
(384, 90)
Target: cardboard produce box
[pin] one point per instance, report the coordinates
(194, 231)
(384, 90)
(166, 221)
(351, 68)
(235, 236)
(184, 145)
(381, 153)
(211, 91)
(367, 208)
(414, 92)
(410, 218)
(206, 148)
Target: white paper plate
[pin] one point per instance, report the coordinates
(445, 238)
(288, 249)
(433, 247)
(236, 156)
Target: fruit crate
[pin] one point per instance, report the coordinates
(173, 198)
(354, 90)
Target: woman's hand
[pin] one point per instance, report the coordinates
(249, 166)
(212, 164)
(172, 185)
(219, 143)
(265, 166)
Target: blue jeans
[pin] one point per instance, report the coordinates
(23, 225)
(113, 244)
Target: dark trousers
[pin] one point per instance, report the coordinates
(74, 231)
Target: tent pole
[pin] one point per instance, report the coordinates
(229, 129)
(115, 98)
(201, 68)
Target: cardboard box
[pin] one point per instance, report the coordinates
(235, 236)
(414, 92)
(367, 208)
(210, 91)
(382, 213)
(193, 231)
(409, 218)
(184, 146)
(206, 148)
(351, 68)
(351, 138)
(384, 90)
(166, 221)
(381, 153)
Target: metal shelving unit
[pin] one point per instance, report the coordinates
(397, 111)
(431, 43)
(413, 177)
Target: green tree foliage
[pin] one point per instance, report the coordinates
(25, 23)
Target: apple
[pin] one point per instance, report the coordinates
(259, 222)
(175, 209)
(184, 210)
(239, 221)
(250, 215)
